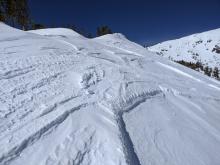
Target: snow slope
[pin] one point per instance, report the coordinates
(69, 100)
(197, 47)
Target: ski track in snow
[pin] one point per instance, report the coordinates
(71, 96)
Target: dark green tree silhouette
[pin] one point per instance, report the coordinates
(208, 71)
(103, 30)
(216, 73)
(23, 14)
(11, 11)
(35, 26)
(2, 11)
(15, 12)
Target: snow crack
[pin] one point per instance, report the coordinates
(129, 96)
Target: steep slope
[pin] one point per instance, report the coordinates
(202, 47)
(67, 100)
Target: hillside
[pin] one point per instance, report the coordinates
(202, 47)
(69, 100)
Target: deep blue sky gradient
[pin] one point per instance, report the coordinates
(143, 21)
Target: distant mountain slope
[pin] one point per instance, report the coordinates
(69, 100)
(202, 47)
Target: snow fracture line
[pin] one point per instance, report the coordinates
(131, 156)
(128, 147)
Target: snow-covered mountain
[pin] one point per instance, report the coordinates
(69, 100)
(202, 47)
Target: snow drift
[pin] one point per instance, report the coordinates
(67, 100)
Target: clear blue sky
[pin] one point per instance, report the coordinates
(143, 21)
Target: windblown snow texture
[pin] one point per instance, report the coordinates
(69, 100)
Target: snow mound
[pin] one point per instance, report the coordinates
(7, 31)
(114, 36)
(63, 32)
(67, 100)
(120, 42)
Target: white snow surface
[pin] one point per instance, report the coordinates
(193, 48)
(69, 100)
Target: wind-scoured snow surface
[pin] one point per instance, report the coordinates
(69, 100)
(203, 47)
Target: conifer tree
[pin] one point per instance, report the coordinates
(2, 17)
(103, 30)
(23, 14)
(36, 26)
(15, 12)
(11, 11)
(2, 10)
(206, 71)
(216, 72)
(210, 72)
